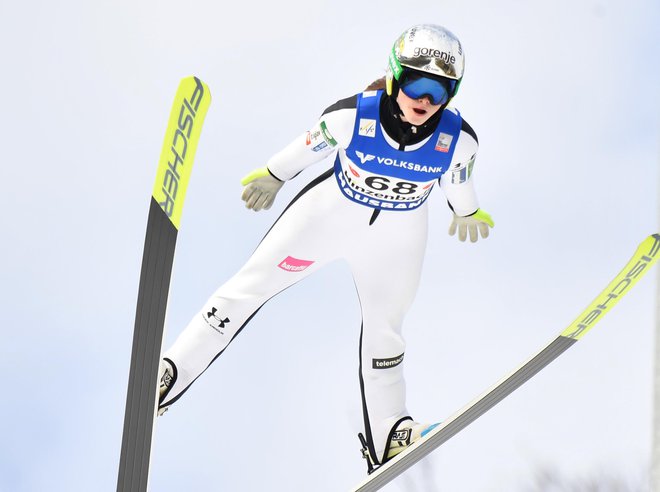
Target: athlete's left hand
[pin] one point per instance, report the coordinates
(478, 222)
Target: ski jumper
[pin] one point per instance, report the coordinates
(369, 209)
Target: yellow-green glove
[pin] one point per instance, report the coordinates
(478, 222)
(260, 190)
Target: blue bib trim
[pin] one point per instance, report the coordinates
(380, 176)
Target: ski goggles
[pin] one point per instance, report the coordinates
(417, 86)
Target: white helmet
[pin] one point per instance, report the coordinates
(426, 48)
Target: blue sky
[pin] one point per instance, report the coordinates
(564, 98)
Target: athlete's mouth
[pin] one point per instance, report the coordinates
(419, 111)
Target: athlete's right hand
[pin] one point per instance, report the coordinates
(476, 223)
(261, 187)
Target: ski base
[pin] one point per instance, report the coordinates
(145, 355)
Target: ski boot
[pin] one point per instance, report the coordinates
(166, 378)
(404, 433)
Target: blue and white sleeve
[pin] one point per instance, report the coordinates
(457, 182)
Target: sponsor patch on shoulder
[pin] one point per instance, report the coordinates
(320, 146)
(319, 137)
(327, 136)
(461, 172)
(313, 136)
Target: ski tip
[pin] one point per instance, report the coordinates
(646, 255)
(650, 247)
(194, 81)
(191, 103)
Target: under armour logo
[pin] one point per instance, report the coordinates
(364, 158)
(219, 321)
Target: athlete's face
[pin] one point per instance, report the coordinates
(416, 111)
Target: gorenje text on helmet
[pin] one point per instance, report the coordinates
(443, 55)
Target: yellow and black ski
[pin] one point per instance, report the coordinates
(176, 160)
(644, 258)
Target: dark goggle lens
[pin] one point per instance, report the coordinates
(417, 87)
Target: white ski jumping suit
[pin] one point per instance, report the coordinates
(370, 210)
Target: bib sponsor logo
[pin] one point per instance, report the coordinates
(444, 142)
(387, 363)
(364, 158)
(291, 264)
(367, 127)
(387, 161)
(381, 197)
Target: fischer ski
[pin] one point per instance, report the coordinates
(644, 258)
(183, 130)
